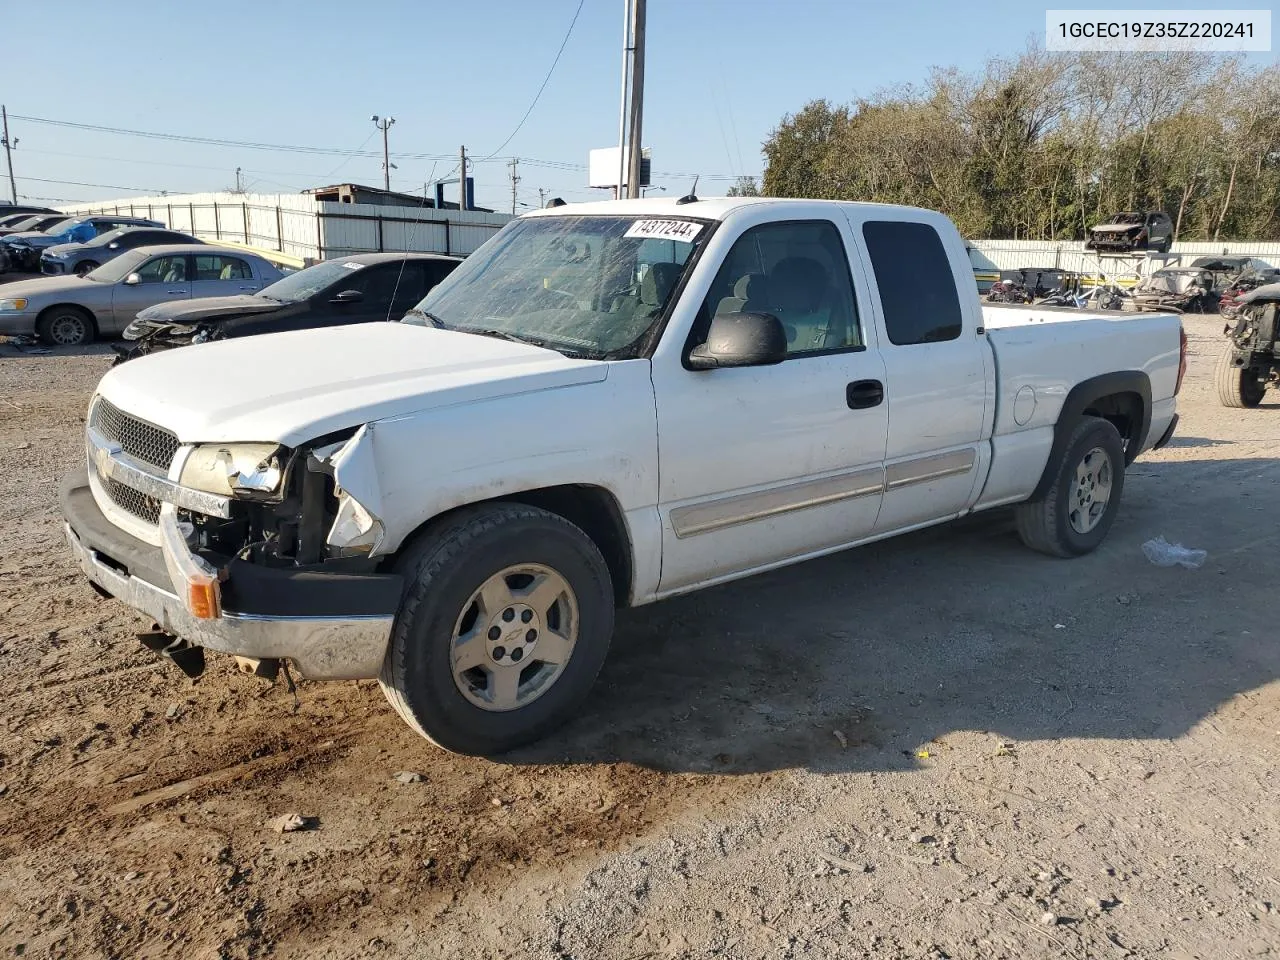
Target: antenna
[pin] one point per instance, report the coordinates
(691, 196)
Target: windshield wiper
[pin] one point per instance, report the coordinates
(508, 335)
(430, 317)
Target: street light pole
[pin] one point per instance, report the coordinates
(384, 124)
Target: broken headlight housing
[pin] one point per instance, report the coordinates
(234, 469)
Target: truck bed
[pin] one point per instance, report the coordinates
(1040, 354)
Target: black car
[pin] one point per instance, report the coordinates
(1130, 231)
(6, 209)
(356, 289)
(34, 221)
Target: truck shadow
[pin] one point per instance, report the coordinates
(958, 628)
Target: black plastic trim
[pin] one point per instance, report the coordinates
(1078, 400)
(1168, 433)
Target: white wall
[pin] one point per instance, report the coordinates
(298, 226)
(1071, 255)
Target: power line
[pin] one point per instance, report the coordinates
(104, 186)
(545, 81)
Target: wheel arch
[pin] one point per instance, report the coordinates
(1123, 398)
(593, 509)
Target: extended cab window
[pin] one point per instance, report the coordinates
(797, 271)
(917, 288)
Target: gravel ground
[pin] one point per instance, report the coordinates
(939, 746)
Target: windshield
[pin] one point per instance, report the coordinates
(1127, 218)
(16, 219)
(307, 283)
(583, 285)
(115, 270)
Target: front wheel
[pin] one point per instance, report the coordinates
(505, 622)
(1237, 386)
(1076, 512)
(65, 327)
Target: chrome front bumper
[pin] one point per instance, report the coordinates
(334, 645)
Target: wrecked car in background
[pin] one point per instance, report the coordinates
(82, 258)
(355, 289)
(1177, 290)
(1251, 361)
(21, 251)
(1130, 231)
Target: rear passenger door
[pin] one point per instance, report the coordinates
(220, 275)
(936, 370)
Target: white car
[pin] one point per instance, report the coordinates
(605, 405)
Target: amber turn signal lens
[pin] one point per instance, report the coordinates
(204, 598)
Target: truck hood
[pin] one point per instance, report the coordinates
(293, 387)
(208, 308)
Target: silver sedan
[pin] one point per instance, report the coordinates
(65, 311)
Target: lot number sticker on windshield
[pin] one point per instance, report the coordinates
(353, 266)
(681, 230)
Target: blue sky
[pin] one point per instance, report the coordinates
(720, 74)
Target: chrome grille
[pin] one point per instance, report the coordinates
(132, 501)
(139, 439)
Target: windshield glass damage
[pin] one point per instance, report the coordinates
(591, 286)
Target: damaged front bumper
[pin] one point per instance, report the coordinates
(333, 626)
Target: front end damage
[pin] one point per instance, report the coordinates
(255, 550)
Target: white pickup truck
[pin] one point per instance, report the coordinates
(605, 405)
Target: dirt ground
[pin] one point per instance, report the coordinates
(940, 746)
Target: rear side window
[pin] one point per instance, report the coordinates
(917, 288)
(222, 268)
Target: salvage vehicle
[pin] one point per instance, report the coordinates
(1233, 294)
(985, 272)
(605, 405)
(1251, 361)
(356, 289)
(68, 311)
(36, 222)
(22, 250)
(82, 258)
(1128, 232)
(14, 221)
(1177, 290)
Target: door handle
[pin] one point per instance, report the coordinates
(862, 394)
(248, 288)
(175, 291)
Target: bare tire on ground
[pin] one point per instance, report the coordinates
(85, 266)
(504, 624)
(65, 327)
(1237, 386)
(1080, 505)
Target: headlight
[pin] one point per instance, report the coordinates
(13, 305)
(52, 255)
(233, 468)
(138, 329)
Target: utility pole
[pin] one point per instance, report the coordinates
(542, 197)
(384, 124)
(622, 119)
(637, 97)
(239, 182)
(8, 152)
(462, 178)
(515, 178)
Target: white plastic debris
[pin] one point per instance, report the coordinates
(1165, 554)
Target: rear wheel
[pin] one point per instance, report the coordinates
(1079, 507)
(505, 623)
(86, 266)
(1237, 386)
(65, 327)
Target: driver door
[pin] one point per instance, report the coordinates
(760, 465)
(162, 278)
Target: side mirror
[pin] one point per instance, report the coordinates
(113, 245)
(348, 296)
(133, 279)
(741, 340)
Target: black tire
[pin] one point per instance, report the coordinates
(442, 572)
(1237, 386)
(1046, 525)
(66, 327)
(86, 266)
